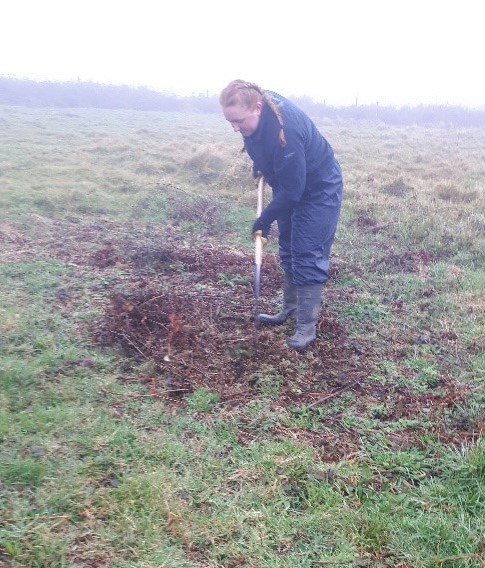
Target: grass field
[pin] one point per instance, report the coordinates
(145, 422)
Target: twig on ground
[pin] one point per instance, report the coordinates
(329, 396)
(475, 556)
(133, 345)
(329, 561)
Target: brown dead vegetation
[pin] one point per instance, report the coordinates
(187, 316)
(180, 310)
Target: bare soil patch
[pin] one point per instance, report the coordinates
(183, 308)
(188, 311)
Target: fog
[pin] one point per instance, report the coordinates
(390, 53)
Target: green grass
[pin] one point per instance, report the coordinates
(97, 469)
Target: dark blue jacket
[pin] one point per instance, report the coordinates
(305, 170)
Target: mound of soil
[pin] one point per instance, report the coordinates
(189, 313)
(183, 307)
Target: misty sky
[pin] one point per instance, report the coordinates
(386, 51)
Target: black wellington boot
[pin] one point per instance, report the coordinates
(289, 306)
(309, 303)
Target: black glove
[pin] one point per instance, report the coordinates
(257, 226)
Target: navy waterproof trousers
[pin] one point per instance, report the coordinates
(307, 232)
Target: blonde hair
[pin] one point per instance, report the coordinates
(248, 95)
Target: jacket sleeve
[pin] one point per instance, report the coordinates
(275, 208)
(290, 178)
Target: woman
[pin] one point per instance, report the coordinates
(299, 165)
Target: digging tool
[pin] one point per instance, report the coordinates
(258, 253)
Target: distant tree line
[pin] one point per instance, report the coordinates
(81, 94)
(93, 95)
